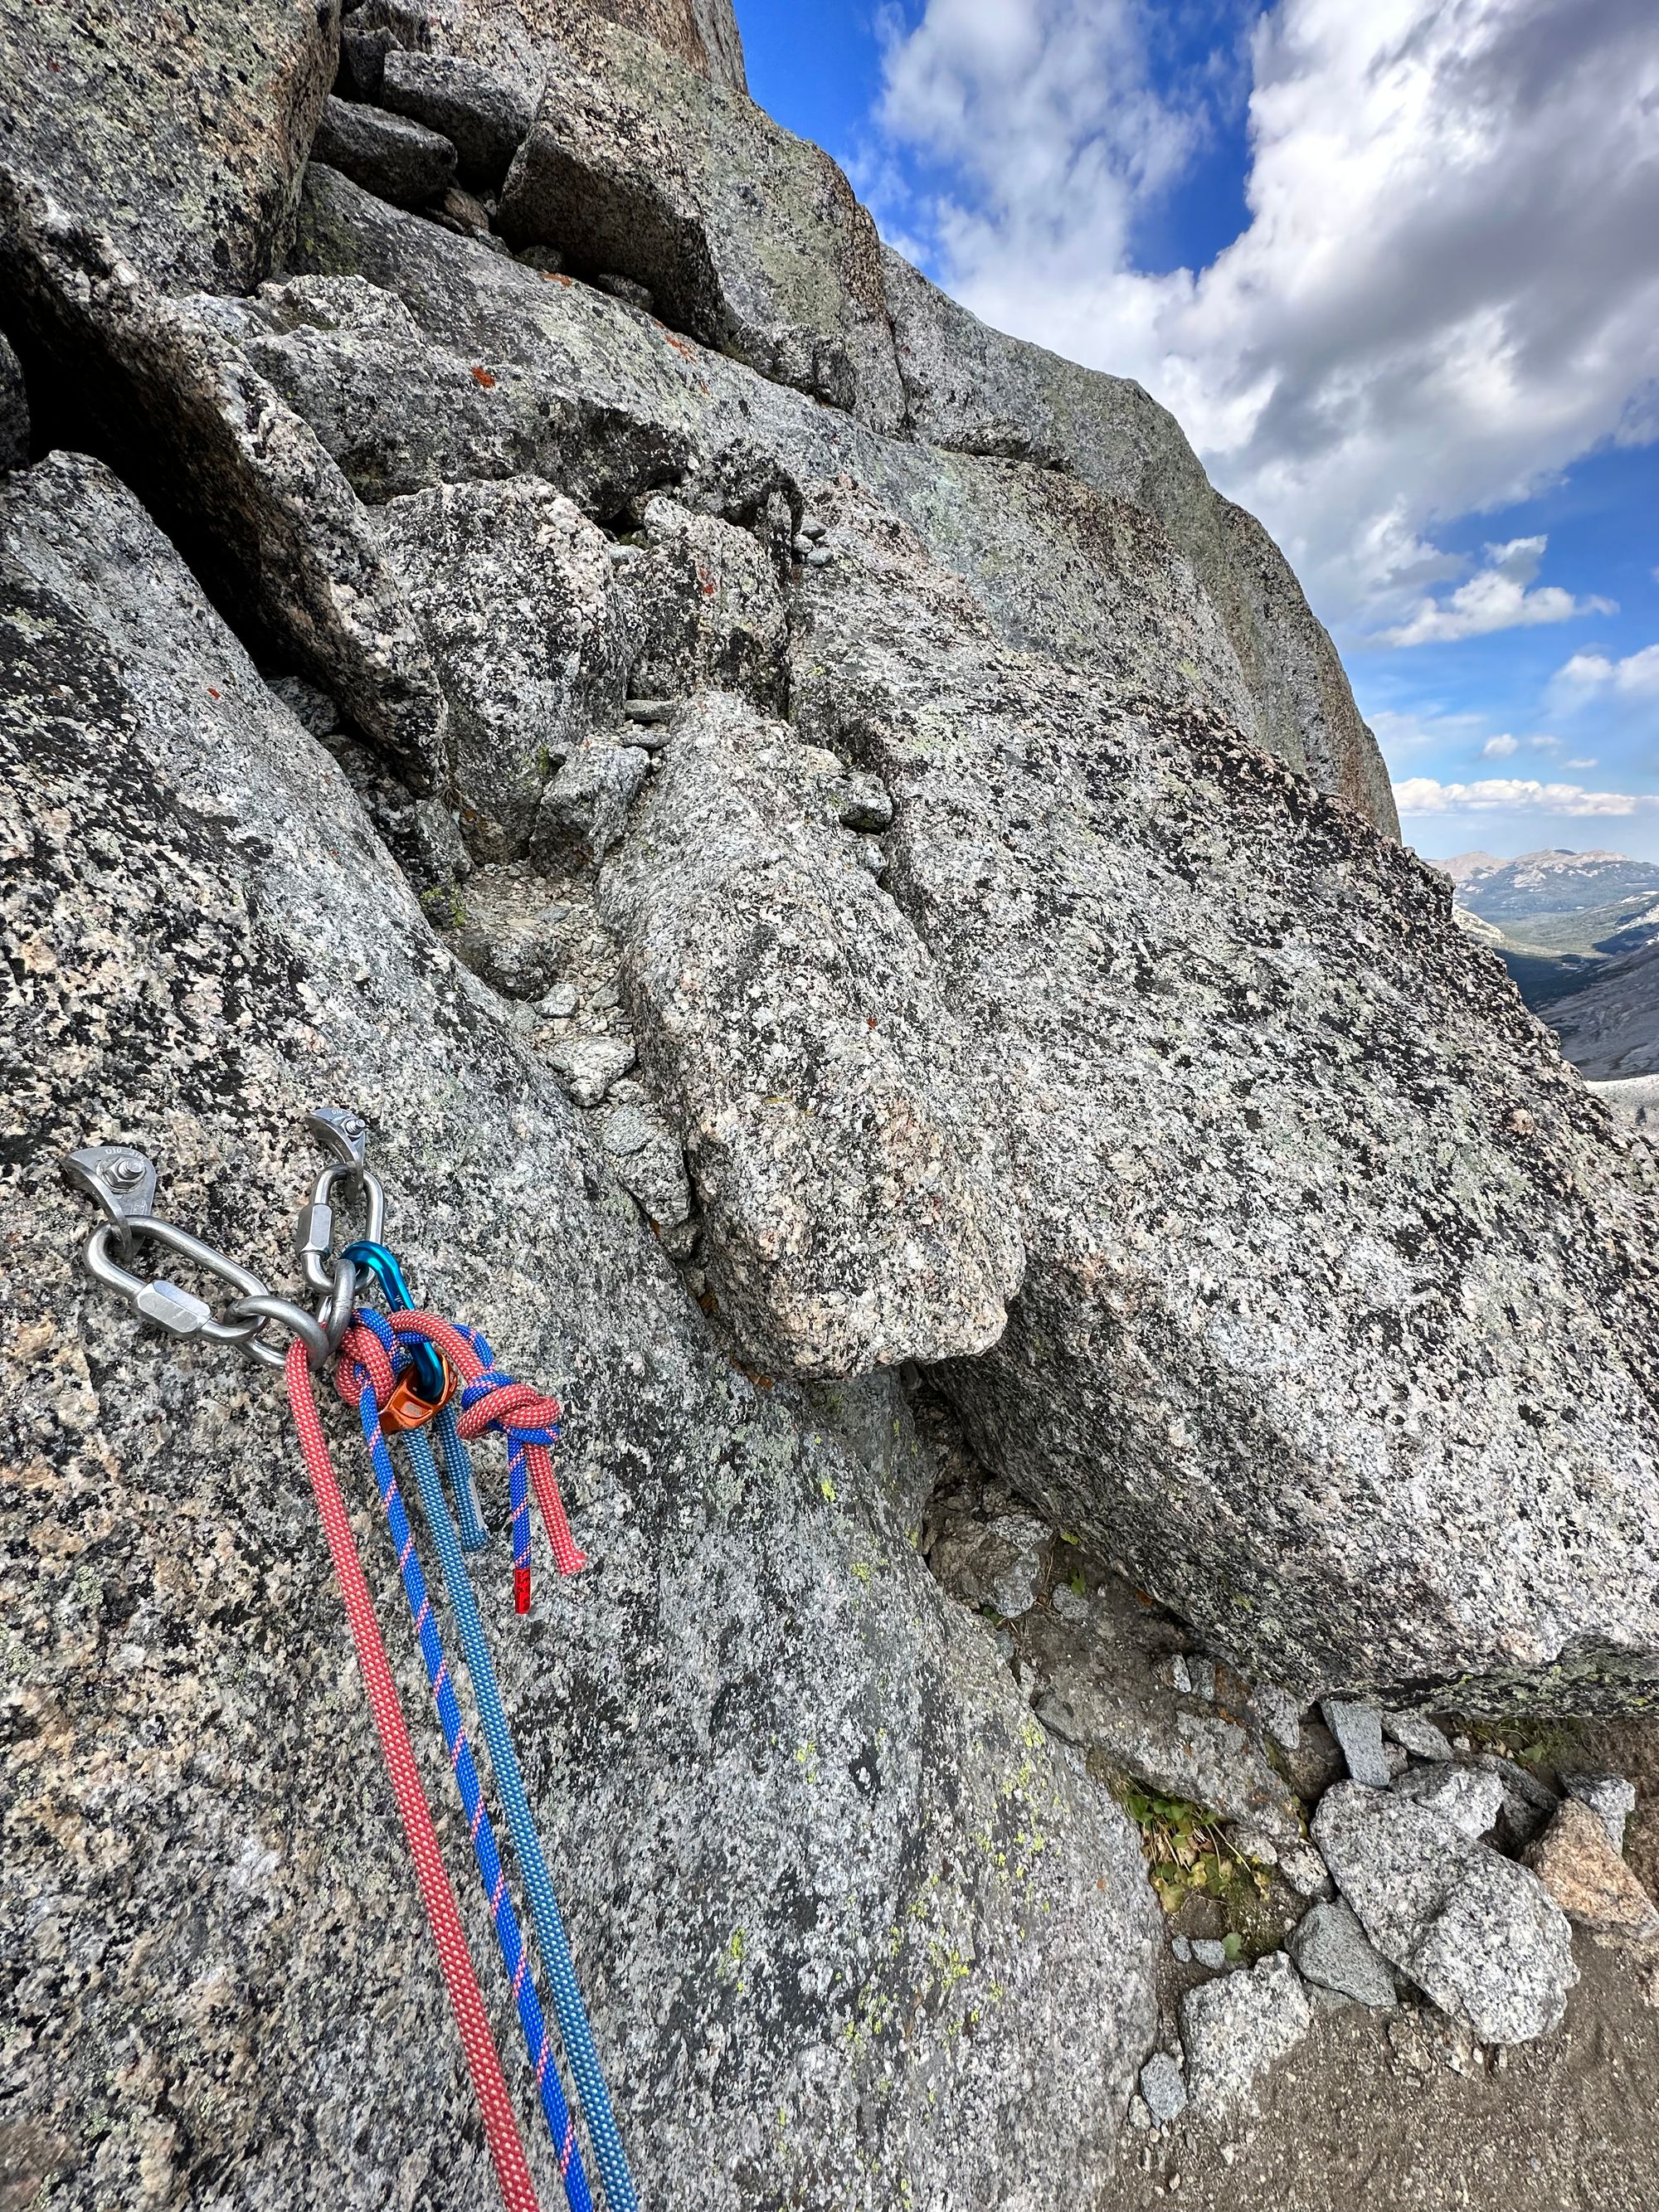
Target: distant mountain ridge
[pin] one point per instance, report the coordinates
(1555, 882)
(1579, 934)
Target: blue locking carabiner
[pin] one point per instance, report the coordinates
(384, 1265)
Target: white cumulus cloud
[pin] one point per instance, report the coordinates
(1635, 677)
(1423, 794)
(1447, 290)
(1498, 597)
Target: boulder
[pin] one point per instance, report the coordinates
(387, 155)
(749, 240)
(826, 1881)
(1237, 2026)
(511, 588)
(853, 1216)
(238, 475)
(484, 115)
(180, 134)
(1478, 1934)
(1271, 1222)
(587, 803)
(1575, 1860)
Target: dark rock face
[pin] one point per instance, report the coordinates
(400, 161)
(14, 410)
(484, 115)
(181, 134)
(827, 1880)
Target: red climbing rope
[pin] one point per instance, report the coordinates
(501, 2127)
(491, 1400)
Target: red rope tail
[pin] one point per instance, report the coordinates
(500, 2128)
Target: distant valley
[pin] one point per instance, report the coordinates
(1579, 933)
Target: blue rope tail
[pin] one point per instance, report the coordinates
(537, 2041)
(608, 2153)
(459, 1461)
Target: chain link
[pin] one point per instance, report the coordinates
(123, 1182)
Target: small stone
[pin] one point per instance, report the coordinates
(1608, 1795)
(307, 702)
(1575, 1860)
(1251, 1844)
(559, 1004)
(387, 155)
(1526, 1803)
(1468, 1797)
(1138, 2116)
(819, 558)
(811, 528)
(1398, 1760)
(1359, 1732)
(801, 546)
(1418, 1736)
(1233, 2029)
(653, 713)
(1068, 1603)
(589, 1066)
(1331, 1949)
(867, 804)
(1182, 1950)
(1207, 1952)
(1163, 2085)
(1279, 1714)
(546, 259)
(628, 291)
(1304, 1870)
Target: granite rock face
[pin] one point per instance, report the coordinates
(789, 1021)
(748, 239)
(781, 1778)
(181, 134)
(970, 387)
(510, 586)
(1295, 1169)
(236, 470)
(516, 34)
(1477, 1933)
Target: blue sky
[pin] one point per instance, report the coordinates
(1396, 269)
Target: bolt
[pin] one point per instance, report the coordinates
(352, 1124)
(122, 1175)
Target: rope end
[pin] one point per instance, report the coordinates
(520, 1589)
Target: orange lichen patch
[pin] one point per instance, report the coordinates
(482, 376)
